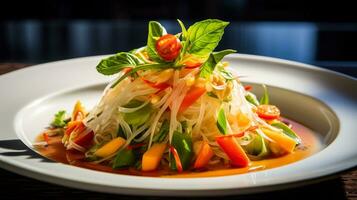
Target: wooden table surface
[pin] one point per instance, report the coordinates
(342, 186)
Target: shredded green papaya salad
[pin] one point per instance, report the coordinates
(175, 104)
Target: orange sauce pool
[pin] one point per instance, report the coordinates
(310, 145)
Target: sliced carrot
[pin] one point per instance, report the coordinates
(151, 158)
(204, 156)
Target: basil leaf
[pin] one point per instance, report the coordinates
(222, 122)
(116, 63)
(204, 36)
(124, 158)
(183, 29)
(140, 116)
(265, 97)
(287, 131)
(59, 120)
(164, 130)
(252, 99)
(214, 58)
(156, 30)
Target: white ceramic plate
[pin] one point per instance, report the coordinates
(324, 101)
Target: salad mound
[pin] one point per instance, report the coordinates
(174, 104)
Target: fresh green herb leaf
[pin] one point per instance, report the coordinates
(116, 63)
(59, 120)
(140, 116)
(156, 30)
(251, 98)
(214, 58)
(287, 131)
(164, 130)
(204, 36)
(222, 122)
(265, 98)
(124, 158)
(183, 144)
(183, 28)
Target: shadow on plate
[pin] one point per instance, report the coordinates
(15, 147)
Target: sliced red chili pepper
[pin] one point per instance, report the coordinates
(160, 86)
(45, 137)
(241, 134)
(248, 87)
(177, 159)
(72, 126)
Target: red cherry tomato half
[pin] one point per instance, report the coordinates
(168, 47)
(268, 112)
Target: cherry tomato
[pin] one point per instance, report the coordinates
(268, 112)
(168, 47)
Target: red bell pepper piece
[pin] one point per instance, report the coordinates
(84, 141)
(191, 97)
(234, 151)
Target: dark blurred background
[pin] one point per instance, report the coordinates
(322, 33)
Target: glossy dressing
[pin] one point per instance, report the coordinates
(310, 145)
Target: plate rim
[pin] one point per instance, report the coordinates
(35, 174)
